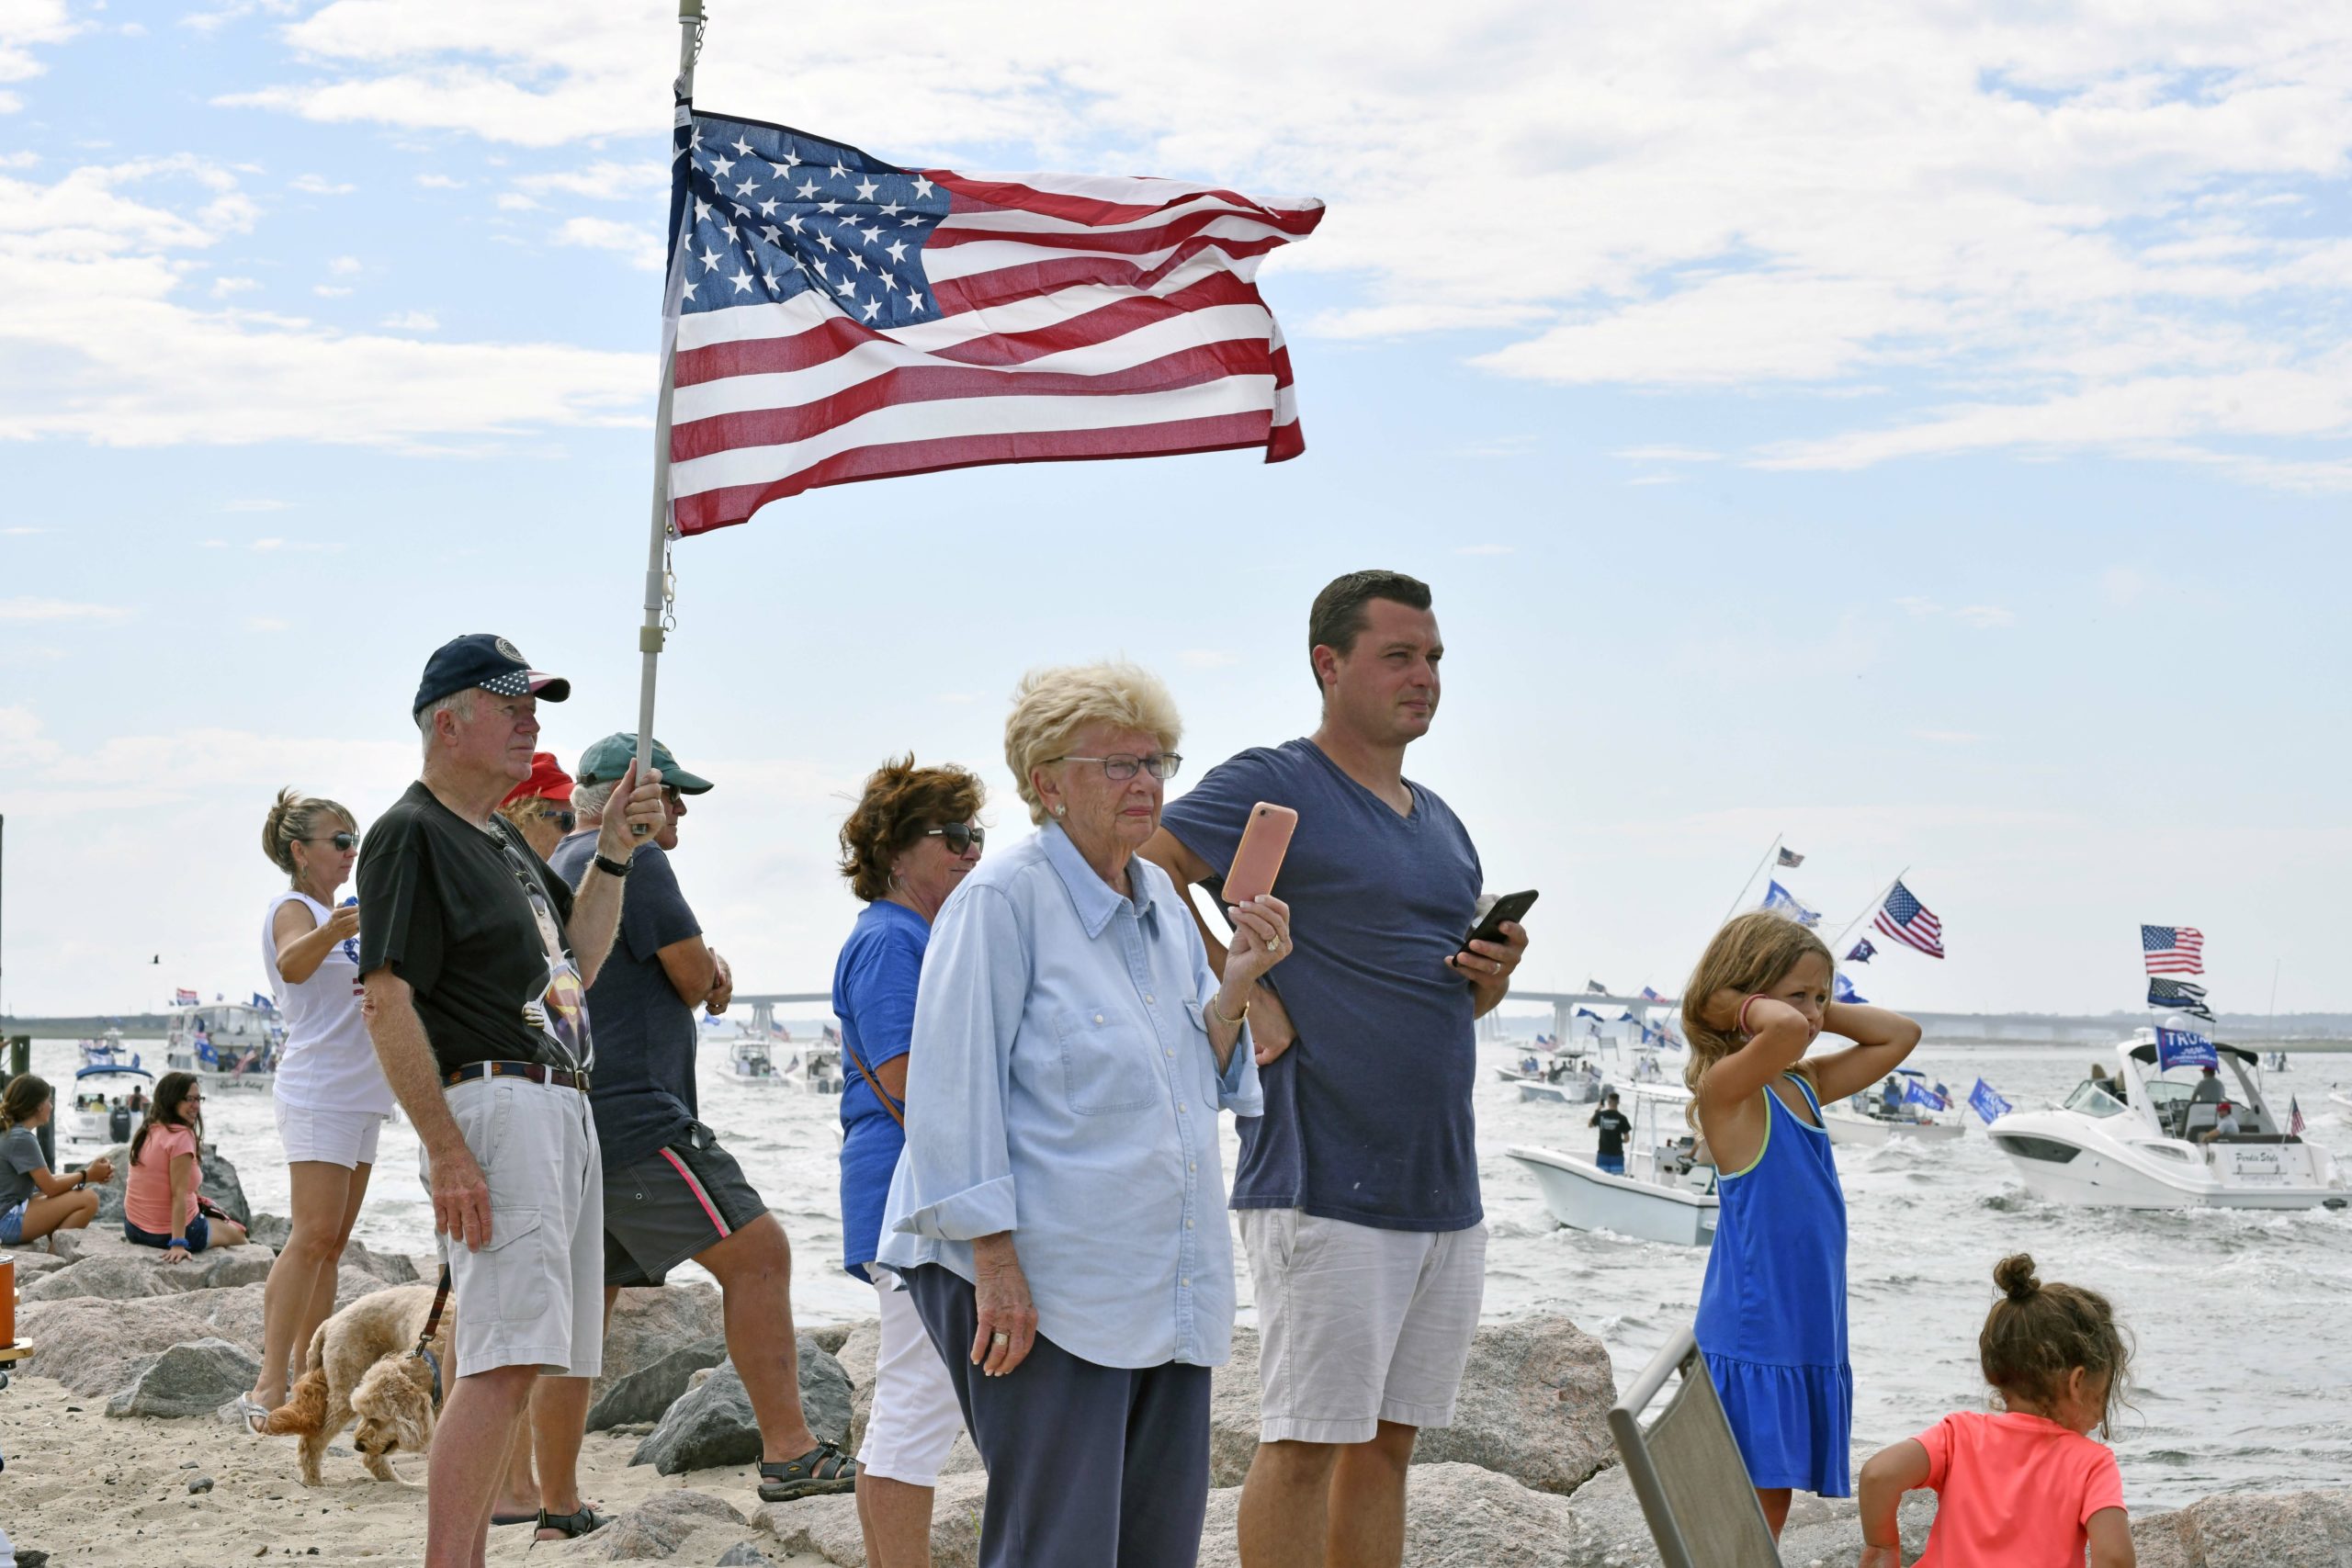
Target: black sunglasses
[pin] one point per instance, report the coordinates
(339, 840)
(962, 837)
(564, 819)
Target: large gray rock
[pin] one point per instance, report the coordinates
(827, 1526)
(133, 1274)
(1456, 1516)
(230, 1266)
(857, 1353)
(94, 1345)
(221, 1183)
(2245, 1529)
(110, 1194)
(655, 1340)
(194, 1379)
(269, 1230)
(659, 1527)
(646, 1394)
(1233, 1412)
(1534, 1406)
(391, 1268)
(712, 1424)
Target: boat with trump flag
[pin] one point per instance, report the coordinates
(2148, 1139)
(1918, 1115)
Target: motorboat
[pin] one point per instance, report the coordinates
(107, 1051)
(1665, 1195)
(1560, 1079)
(821, 1067)
(748, 1062)
(101, 1111)
(2157, 1145)
(227, 1045)
(2342, 1099)
(1868, 1121)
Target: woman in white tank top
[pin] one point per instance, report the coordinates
(331, 1097)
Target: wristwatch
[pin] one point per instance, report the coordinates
(613, 868)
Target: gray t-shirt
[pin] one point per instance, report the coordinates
(20, 1155)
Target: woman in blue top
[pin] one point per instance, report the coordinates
(1772, 1310)
(906, 846)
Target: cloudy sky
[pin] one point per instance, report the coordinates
(1918, 429)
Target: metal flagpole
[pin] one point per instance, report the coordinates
(1741, 897)
(1880, 897)
(658, 585)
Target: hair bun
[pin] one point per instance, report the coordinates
(2014, 1275)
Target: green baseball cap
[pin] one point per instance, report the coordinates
(606, 760)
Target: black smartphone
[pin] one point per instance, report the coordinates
(1509, 906)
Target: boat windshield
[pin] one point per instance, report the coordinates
(2092, 1100)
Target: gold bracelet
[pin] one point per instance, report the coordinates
(1237, 1022)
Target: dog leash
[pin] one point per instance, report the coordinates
(423, 1350)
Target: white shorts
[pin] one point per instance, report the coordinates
(346, 1139)
(1358, 1326)
(915, 1418)
(534, 1295)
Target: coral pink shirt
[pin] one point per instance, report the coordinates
(2016, 1491)
(147, 1190)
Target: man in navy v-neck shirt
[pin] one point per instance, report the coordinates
(1359, 1187)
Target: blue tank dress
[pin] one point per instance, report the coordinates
(1772, 1312)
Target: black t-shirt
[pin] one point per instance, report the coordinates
(644, 1092)
(1613, 1125)
(477, 932)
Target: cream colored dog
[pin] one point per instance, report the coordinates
(359, 1364)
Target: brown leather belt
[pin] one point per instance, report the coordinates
(538, 1072)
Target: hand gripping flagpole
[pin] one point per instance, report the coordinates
(659, 586)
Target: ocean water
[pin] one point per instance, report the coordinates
(2243, 1378)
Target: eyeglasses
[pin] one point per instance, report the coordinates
(339, 840)
(1119, 769)
(566, 820)
(962, 837)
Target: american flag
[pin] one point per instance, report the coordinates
(2173, 950)
(2295, 1122)
(2181, 994)
(1907, 920)
(185, 998)
(1791, 859)
(832, 317)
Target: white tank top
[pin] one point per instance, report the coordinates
(327, 1062)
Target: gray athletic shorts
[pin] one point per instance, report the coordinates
(676, 1201)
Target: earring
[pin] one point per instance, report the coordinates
(1061, 810)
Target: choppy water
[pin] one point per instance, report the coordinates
(2244, 1366)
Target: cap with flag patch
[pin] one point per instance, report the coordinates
(479, 658)
(606, 760)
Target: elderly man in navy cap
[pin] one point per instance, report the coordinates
(476, 960)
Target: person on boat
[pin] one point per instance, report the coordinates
(138, 1099)
(541, 806)
(1614, 1124)
(163, 1204)
(1890, 1098)
(2226, 1121)
(910, 841)
(34, 1201)
(475, 959)
(1358, 1188)
(1772, 1306)
(1060, 1209)
(330, 1097)
(2209, 1090)
(671, 1190)
(2024, 1487)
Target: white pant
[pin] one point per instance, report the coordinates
(915, 1417)
(346, 1139)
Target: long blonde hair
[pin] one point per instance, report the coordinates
(1753, 953)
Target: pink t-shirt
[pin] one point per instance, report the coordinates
(147, 1190)
(2016, 1491)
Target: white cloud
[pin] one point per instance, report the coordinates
(640, 242)
(440, 182)
(515, 202)
(25, 25)
(329, 290)
(27, 608)
(411, 321)
(223, 287)
(344, 267)
(604, 180)
(319, 185)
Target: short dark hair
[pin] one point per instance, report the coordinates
(1338, 617)
(899, 803)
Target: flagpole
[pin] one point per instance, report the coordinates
(1741, 897)
(657, 575)
(1878, 899)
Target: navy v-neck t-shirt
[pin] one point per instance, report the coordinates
(1368, 1116)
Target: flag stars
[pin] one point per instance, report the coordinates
(865, 190)
(837, 170)
(742, 148)
(747, 187)
(923, 189)
(828, 207)
(805, 190)
(890, 210)
(857, 261)
(793, 222)
(772, 234)
(872, 235)
(784, 170)
(846, 286)
(871, 307)
(911, 220)
(827, 241)
(709, 259)
(898, 249)
(767, 208)
(722, 167)
(743, 282)
(702, 209)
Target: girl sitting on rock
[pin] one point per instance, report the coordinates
(160, 1205)
(34, 1201)
(2027, 1487)
(1772, 1311)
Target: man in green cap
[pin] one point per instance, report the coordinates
(672, 1191)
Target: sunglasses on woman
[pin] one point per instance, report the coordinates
(564, 819)
(339, 840)
(962, 837)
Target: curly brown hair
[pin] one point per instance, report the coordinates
(899, 803)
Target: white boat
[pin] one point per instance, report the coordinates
(101, 1110)
(1663, 1196)
(2342, 1099)
(820, 1068)
(749, 1063)
(108, 1050)
(1867, 1121)
(2157, 1147)
(1562, 1080)
(227, 1045)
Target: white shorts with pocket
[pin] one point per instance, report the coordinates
(1358, 1326)
(916, 1417)
(346, 1139)
(534, 1295)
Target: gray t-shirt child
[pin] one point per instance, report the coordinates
(20, 1155)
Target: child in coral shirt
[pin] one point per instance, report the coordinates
(2027, 1487)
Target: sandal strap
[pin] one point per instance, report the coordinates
(810, 1465)
(574, 1526)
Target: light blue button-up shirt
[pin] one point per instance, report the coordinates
(1062, 1086)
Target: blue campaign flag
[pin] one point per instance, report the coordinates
(1989, 1106)
(1841, 989)
(1586, 1013)
(1779, 900)
(1863, 953)
(1917, 1093)
(2184, 1048)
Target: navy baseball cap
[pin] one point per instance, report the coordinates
(490, 662)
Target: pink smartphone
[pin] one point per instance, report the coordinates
(1260, 857)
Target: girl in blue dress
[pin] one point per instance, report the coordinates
(1772, 1311)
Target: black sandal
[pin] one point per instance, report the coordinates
(823, 1470)
(571, 1527)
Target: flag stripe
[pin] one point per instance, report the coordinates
(981, 291)
(1097, 200)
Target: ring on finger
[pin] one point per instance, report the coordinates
(999, 1339)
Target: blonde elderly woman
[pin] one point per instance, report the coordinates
(1058, 1214)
